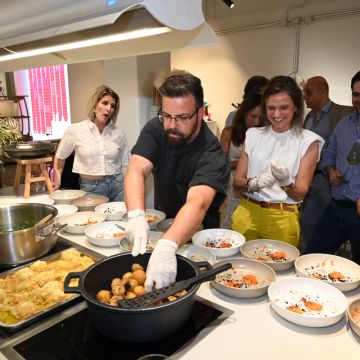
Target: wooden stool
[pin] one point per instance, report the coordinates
(38, 176)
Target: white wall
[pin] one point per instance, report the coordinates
(83, 80)
(328, 48)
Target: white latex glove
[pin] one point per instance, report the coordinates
(281, 173)
(137, 232)
(162, 266)
(262, 181)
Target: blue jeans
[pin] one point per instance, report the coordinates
(112, 187)
(337, 225)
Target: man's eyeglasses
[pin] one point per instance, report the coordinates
(182, 119)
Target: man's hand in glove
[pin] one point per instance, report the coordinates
(162, 266)
(281, 173)
(137, 231)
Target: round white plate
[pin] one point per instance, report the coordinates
(218, 237)
(342, 273)
(113, 210)
(105, 234)
(304, 295)
(78, 222)
(197, 253)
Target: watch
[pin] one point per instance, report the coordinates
(287, 187)
(135, 213)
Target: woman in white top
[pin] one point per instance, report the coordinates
(276, 167)
(101, 150)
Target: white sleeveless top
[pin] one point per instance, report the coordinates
(287, 148)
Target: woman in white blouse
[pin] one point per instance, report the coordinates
(101, 149)
(276, 167)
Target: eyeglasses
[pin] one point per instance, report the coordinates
(182, 119)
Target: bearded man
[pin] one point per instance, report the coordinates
(190, 175)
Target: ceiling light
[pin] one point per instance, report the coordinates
(81, 44)
(229, 3)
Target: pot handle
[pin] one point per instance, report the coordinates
(203, 264)
(72, 289)
(58, 227)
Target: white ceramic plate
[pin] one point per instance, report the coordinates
(353, 314)
(41, 199)
(105, 234)
(246, 279)
(197, 253)
(65, 209)
(153, 217)
(277, 254)
(154, 236)
(113, 210)
(66, 196)
(317, 304)
(214, 239)
(342, 273)
(78, 222)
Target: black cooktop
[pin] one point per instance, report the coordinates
(76, 338)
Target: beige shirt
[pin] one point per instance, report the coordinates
(95, 153)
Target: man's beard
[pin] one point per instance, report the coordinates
(180, 141)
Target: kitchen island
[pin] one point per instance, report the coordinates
(254, 331)
(251, 330)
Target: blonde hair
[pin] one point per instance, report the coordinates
(99, 93)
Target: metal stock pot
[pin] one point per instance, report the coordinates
(21, 237)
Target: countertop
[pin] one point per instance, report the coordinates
(254, 331)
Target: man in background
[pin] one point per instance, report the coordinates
(255, 85)
(341, 219)
(322, 118)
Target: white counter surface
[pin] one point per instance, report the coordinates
(254, 331)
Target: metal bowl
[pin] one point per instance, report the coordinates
(31, 149)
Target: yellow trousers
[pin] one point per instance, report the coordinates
(256, 222)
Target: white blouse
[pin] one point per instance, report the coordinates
(95, 153)
(288, 148)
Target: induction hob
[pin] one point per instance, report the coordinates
(74, 337)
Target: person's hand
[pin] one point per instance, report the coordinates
(358, 206)
(137, 232)
(281, 173)
(335, 177)
(260, 182)
(162, 266)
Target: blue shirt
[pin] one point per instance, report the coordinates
(345, 135)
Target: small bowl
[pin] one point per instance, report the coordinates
(264, 276)
(66, 196)
(65, 209)
(113, 210)
(217, 238)
(265, 250)
(105, 234)
(197, 253)
(78, 222)
(165, 224)
(154, 236)
(353, 314)
(290, 293)
(153, 217)
(346, 273)
(89, 202)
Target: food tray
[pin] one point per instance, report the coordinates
(50, 310)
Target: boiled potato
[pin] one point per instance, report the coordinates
(140, 276)
(139, 290)
(127, 275)
(113, 301)
(118, 290)
(115, 282)
(136, 266)
(130, 295)
(103, 296)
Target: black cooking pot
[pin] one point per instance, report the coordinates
(134, 325)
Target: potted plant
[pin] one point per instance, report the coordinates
(9, 135)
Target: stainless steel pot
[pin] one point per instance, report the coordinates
(30, 149)
(20, 239)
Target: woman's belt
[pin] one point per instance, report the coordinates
(271, 205)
